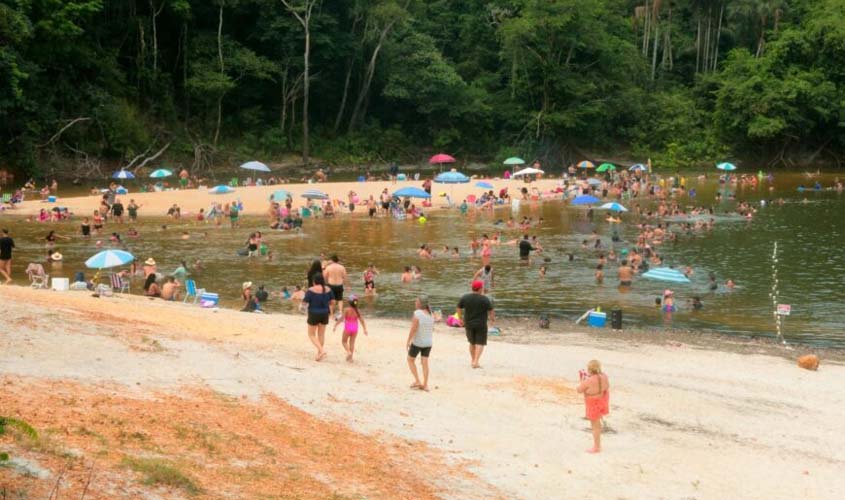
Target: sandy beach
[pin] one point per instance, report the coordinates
(255, 199)
(112, 383)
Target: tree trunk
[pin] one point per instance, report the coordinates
(706, 62)
(698, 46)
(222, 72)
(284, 116)
(350, 65)
(305, 85)
(646, 28)
(718, 37)
(654, 52)
(185, 71)
(359, 111)
(155, 13)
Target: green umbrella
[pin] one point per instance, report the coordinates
(513, 160)
(604, 167)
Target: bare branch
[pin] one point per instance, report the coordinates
(131, 163)
(153, 157)
(62, 130)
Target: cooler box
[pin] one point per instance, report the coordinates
(401, 177)
(597, 319)
(60, 284)
(208, 299)
(51, 199)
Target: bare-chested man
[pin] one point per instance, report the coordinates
(336, 277)
(625, 273)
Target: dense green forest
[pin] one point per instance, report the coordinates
(89, 85)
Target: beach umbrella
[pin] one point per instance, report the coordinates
(452, 177)
(585, 200)
(528, 171)
(586, 164)
(666, 274)
(726, 166)
(616, 207)
(484, 185)
(109, 258)
(440, 158)
(221, 189)
(121, 190)
(639, 167)
(123, 174)
(411, 192)
(514, 160)
(161, 173)
(313, 194)
(255, 165)
(593, 181)
(604, 167)
(279, 195)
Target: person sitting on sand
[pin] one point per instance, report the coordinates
(151, 288)
(170, 289)
(596, 390)
(420, 340)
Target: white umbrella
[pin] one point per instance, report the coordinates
(528, 171)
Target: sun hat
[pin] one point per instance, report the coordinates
(247, 284)
(56, 256)
(150, 262)
(477, 285)
(668, 292)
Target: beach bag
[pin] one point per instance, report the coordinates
(543, 321)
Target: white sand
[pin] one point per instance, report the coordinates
(688, 423)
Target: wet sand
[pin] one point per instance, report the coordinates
(255, 199)
(685, 422)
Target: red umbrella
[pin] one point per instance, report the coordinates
(441, 158)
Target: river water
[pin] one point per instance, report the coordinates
(809, 229)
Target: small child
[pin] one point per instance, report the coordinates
(351, 318)
(542, 271)
(599, 273)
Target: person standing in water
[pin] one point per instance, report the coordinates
(336, 277)
(420, 340)
(6, 246)
(485, 275)
(476, 309)
(525, 250)
(596, 390)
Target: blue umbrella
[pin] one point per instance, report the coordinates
(411, 192)
(666, 274)
(161, 173)
(639, 167)
(221, 189)
(484, 185)
(313, 194)
(109, 258)
(279, 195)
(121, 190)
(585, 200)
(726, 166)
(451, 178)
(255, 165)
(616, 207)
(123, 174)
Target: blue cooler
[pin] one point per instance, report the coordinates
(51, 199)
(597, 319)
(208, 299)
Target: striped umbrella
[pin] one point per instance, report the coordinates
(109, 258)
(639, 167)
(123, 174)
(586, 164)
(616, 207)
(666, 274)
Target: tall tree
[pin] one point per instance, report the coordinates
(301, 10)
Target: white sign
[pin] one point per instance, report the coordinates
(784, 309)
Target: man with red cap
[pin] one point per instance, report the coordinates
(475, 308)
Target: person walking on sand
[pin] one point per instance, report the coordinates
(596, 390)
(321, 302)
(6, 246)
(351, 318)
(476, 309)
(420, 341)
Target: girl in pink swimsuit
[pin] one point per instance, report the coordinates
(351, 317)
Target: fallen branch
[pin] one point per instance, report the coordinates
(62, 130)
(153, 157)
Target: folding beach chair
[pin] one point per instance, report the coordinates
(119, 284)
(191, 290)
(38, 278)
(234, 182)
(7, 198)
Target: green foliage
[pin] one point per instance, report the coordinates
(550, 79)
(161, 472)
(20, 426)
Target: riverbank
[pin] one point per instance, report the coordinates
(255, 199)
(119, 382)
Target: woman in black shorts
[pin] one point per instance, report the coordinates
(320, 300)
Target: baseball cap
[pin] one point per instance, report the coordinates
(477, 285)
